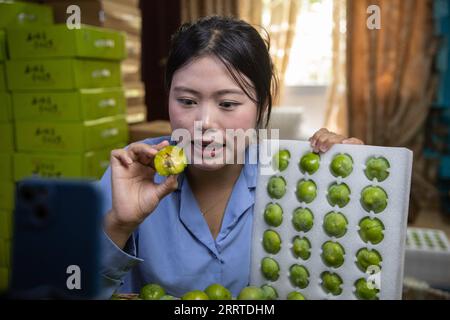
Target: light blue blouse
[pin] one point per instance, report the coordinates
(174, 246)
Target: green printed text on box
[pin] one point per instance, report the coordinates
(62, 74)
(71, 137)
(58, 41)
(85, 104)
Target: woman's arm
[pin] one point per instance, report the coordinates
(135, 195)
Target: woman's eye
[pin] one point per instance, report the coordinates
(187, 102)
(228, 104)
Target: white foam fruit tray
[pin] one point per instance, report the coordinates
(394, 219)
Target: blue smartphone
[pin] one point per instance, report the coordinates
(56, 240)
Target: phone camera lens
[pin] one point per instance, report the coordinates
(27, 193)
(41, 212)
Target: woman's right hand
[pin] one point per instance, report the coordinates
(135, 195)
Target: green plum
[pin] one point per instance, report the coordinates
(364, 292)
(301, 248)
(281, 160)
(374, 199)
(341, 166)
(335, 224)
(152, 291)
(331, 283)
(299, 276)
(339, 195)
(294, 295)
(310, 163)
(270, 269)
(306, 191)
(216, 291)
(251, 293)
(273, 215)
(333, 254)
(303, 219)
(271, 241)
(276, 187)
(371, 230)
(195, 295)
(168, 297)
(366, 258)
(377, 168)
(170, 160)
(270, 292)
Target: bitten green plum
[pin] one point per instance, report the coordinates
(170, 160)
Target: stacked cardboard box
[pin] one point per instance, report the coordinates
(68, 103)
(438, 131)
(121, 15)
(12, 14)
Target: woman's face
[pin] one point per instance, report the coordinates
(204, 92)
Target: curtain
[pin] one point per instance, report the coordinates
(336, 111)
(390, 82)
(192, 10)
(280, 21)
(251, 11)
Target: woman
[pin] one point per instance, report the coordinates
(189, 231)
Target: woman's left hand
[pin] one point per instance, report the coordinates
(323, 140)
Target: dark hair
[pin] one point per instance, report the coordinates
(238, 45)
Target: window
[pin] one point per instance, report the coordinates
(311, 53)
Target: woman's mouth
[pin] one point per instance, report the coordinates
(210, 147)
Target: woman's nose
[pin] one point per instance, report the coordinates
(207, 116)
